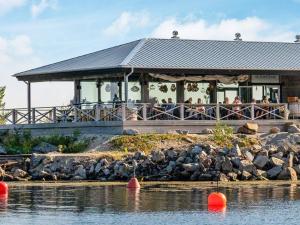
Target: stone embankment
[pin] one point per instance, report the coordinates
(277, 157)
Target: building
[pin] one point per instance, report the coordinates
(137, 76)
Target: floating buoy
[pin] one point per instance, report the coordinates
(216, 209)
(133, 183)
(3, 189)
(217, 199)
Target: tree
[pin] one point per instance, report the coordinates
(2, 105)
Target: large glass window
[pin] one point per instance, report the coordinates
(134, 91)
(162, 91)
(108, 91)
(89, 91)
(196, 91)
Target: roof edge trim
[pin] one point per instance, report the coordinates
(133, 52)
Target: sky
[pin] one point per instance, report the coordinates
(38, 32)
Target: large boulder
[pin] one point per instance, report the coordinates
(274, 172)
(207, 131)
(274, 130)
(158, 156)
(260, 161)
(288, 173)
(2, 150)
(227, 165)
(247, 165)
(276, 162)
(44, 148)
(191, 167)
(80, 173)
(293, 129)
(20, 173)
(130, 132)
(252, 127)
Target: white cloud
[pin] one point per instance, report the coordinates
(251, 28)
(39, 8)
(7, 5)
(16, 55)
(127, 21)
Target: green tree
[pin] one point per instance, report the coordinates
(2, 105)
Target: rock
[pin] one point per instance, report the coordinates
(261, 173)
(288, 173)
(207, 131)
(274, 130)
(252, 127)
(246, 175)
(97, 168)
(235, 151)
(81, 172)
(171, 154)
(232, 176)
(196, 150)
(158, 156)
(180, 160)
(2, 172)
(276, 162)
(244, 130)
(274, 172)
(297, 169)
(130, 132)
(248, 155)
(44, 148)
(2, 150)
(260, 161)
(223, 178)
(292, 129)
(191, 167)
(171, 166)
(291, 159)
(195, 175)
(106, 172)
(226, 165)
(247, 165)
(20, 173)
(36, 160)
(104, 162)
(184, 132)
(256, 148)
(139, 155)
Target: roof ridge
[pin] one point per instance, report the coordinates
(133, 52)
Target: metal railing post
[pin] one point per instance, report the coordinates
(252, 111)
(33, 115)
(218, 112)
(54, 119)
(181, 111)
(123, 112)
(144, 111)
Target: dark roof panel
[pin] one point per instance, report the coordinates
(184, 54)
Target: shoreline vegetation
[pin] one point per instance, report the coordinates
(219, 155)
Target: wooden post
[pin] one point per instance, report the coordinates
(14, 116)
(144, 88)
(123, 112)
(54, 119)
(286, 111)
(99, 90)
(180, 91)
(120, 90)
(77, 92)
(181, 111)
(29, 102)
(218, 111)
(252, 111)
(97, 112)
(33, 115)
(144, 111)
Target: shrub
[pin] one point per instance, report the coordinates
(223, 135)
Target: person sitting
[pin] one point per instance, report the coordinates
(265, 107)
(200, 108)
(224, 111)
(237, 108)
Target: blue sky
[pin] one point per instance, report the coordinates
(38, 32)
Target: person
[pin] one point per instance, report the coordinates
(116, 101)
(266, 108)
(237, 108)
(200, 108)
(224, 110)
(163, 103)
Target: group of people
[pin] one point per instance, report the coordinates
(228, 110)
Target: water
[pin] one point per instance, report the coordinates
(153, 204)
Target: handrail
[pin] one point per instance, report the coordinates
(145, 111)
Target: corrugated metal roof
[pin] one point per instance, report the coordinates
(185, 54)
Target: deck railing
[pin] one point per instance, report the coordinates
(144, 111)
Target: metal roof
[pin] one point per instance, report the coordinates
(184, 54)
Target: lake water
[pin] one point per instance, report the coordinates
(153, 204)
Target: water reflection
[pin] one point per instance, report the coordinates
(119, 199)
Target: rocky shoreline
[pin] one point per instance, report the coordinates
(277, 157)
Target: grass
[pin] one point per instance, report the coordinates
(144, 142)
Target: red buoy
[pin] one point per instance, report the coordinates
(3, 189)
(217, 199)
(133, 183)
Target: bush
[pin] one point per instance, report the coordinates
(223, 135)
(18, 142)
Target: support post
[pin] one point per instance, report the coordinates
(29, 102)
(123, 112)
(180, 91)
(144, 88)
(54, 119)
(120, 90)
(99, 90)
(126, 76)
(77, 92)
(286, 112)
(33, 116)
(14, 116)
(97, 112)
